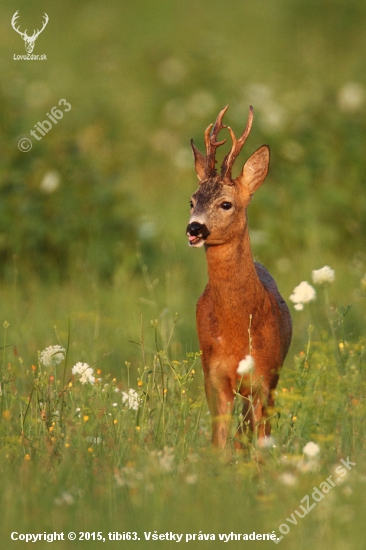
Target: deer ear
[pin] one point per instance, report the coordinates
(200, 162)
(255, 170)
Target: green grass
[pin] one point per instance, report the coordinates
(77, 457)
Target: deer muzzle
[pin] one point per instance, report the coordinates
(197, 233)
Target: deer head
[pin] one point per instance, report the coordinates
(28, 40)
(218, 207)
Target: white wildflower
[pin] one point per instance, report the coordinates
(52, 356)
(166, 458)
(308, 465)
(351, 97)
(94, 440)
(267, 442)
(66, 498)
(193, 457)
(131, 399)
(147, 228)
(191, 479)
(84, 373)
(323, 276)
(302, 294)
(120, 479)
(311, 450)
(245, 365)
(288, 479)
(128, 477)
(50, 182)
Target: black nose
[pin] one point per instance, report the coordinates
(194, 229)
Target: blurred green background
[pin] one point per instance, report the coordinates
(93, 217)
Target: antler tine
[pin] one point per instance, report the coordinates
(212, 144)
(237, 146)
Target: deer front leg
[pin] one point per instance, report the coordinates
(220, 402)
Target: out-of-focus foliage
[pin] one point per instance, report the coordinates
(60, 203)
(142, 80)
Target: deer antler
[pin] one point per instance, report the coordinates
(13, 21)
(205, 166)
(212, 144)
(237, 146)
(37, 33)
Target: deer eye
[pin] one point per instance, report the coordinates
(226, 205)
(191, 204)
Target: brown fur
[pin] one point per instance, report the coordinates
(240, 295)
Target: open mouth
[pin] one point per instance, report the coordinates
(195, 240)
(197, 233)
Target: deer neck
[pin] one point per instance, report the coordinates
(235, 288)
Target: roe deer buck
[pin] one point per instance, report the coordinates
(241, 311)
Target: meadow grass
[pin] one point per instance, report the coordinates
(127, 447)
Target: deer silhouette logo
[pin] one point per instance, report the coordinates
(29, 41)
